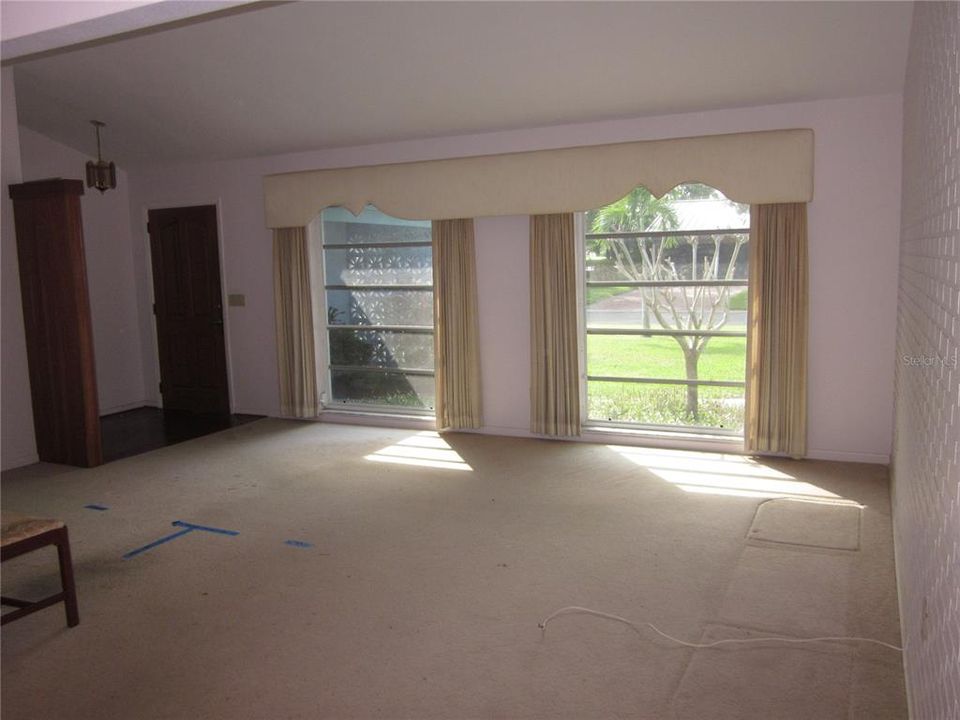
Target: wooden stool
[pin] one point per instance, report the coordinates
(21, 534)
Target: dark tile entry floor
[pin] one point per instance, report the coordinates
(148, 428)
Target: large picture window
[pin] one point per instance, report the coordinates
(665, 309)
(379, 311)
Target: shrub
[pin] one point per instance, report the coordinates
(720, 408)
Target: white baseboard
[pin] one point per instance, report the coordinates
(114, 409)
(897, 565)
(843, 456)
(253, 411)
(19, 461)
(501, 431)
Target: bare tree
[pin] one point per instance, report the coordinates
(688, 309)
(650, 258)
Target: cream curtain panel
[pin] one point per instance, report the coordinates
(294, 311)
(554, 355)
(755, 167)
(456, 328)
(776, 417)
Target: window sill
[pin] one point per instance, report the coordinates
(675, 440)
(378, 419)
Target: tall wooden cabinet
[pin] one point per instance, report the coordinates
(56, 313)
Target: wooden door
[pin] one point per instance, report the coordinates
(189, 309)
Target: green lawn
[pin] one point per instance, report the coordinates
(738, 301)
(661, 357)
(596, 294)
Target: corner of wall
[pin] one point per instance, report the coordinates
(109, 265)
(18, 444)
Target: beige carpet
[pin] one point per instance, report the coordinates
(428, 569)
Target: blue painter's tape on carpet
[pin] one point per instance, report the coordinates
(93, 506)
(297, 543)
(187, 528)
(161, 541)
(205, 528)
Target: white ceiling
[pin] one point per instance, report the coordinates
(22, 19)
(300, 76)
(30, 27)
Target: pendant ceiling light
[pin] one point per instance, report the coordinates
(101, 174)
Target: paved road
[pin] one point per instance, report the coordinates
(736, 319)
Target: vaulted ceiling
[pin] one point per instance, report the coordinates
(295, 76)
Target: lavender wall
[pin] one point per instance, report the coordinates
(246, 267)
(113, 298)
(503, 289)
(853, 257)
(18, 445)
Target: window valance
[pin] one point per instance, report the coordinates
(773, 166)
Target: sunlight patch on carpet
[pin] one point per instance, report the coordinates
(423, 449)
(721, 474)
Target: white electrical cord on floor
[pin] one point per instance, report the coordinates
(574, 609)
